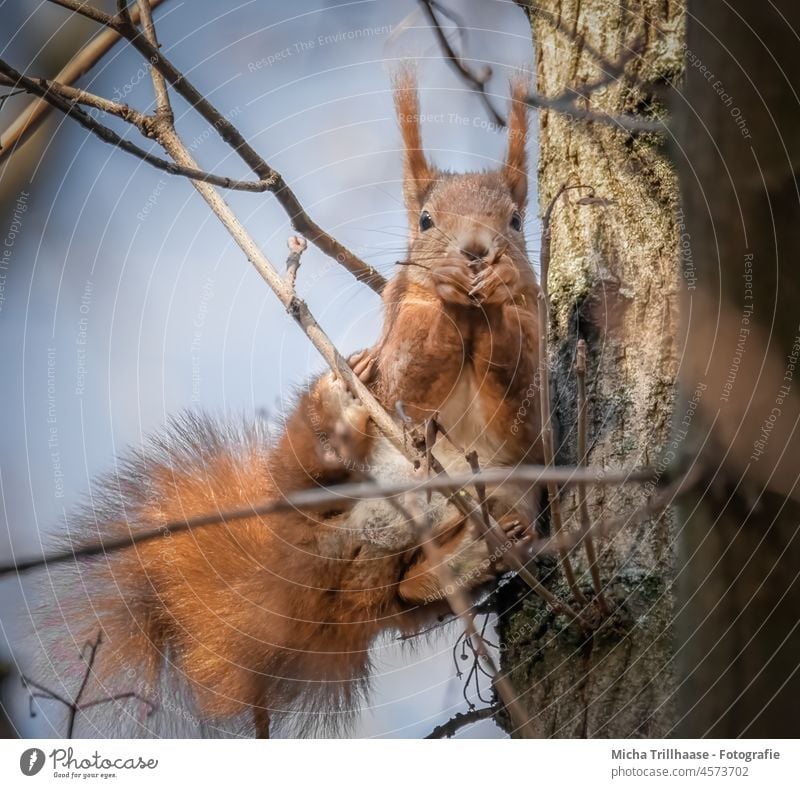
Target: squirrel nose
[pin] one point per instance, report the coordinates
(475, 251)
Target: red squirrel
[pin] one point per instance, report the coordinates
(272, 618)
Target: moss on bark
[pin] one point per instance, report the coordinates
(614, 282)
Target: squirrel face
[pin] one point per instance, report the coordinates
(467, 222)
(464, 227)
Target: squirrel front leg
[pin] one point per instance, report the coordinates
(422, 351)
(468, 561)
(506, 347)
(506, 363)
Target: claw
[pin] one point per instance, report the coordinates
(479, 282)
(363, 365)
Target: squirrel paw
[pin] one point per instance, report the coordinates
(517, 531)
(452, 282)
(364, 364)
(342, 420)
(495, 284)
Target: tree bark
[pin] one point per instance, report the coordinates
(738, 152)
(614, 282)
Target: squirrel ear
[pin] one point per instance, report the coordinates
(515, 170)
(417, 173)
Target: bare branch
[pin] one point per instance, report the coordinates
(553, 494)
(440, 624)
(566, 105)
(573, 36)
(77, 705)
(480, 487)
(583, 508)
(461, 605)
(32, 116)
(5, 97)
(477, 81)
(297, 245)
(565, 102)
(449, 729)
(504, 548)
(84, 8)
(66, 100)
(87, 99)
(163, 107)
(309, 499)
(300, 220)
(554, 499)
(653, 506)
(118, 27)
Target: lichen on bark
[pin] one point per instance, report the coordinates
(614, 282)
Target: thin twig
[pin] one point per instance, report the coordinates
(443, 622)
(297, 245)
(544, 397)
(300, 220)
(477, 81)
(163, 107)
(653, 506)
(565, 105)
(554, 499)
(32, 116)
(66, 100)
(309, 499)
(455, 595)
(574, 37)
(461, 720)
(480, 487)
(461, 605)
(77, 705)
(87, 99)
(565, 102)
(85, 8)
(583, 508)
(505, 548)
(6, 96)
(502, 544)
(612, 70)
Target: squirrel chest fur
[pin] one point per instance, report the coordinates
(272, 617)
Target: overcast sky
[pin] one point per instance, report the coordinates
(124, 302)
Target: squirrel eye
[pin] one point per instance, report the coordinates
(425, 221)
(516, 221)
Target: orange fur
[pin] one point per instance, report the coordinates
(275, 615)
(515, 169)
(417, 173)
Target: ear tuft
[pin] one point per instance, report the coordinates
(515, 170)
(417, 173)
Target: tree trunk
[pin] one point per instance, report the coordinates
(738, 128)
(614, 282)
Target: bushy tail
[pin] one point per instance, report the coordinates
(157, 606)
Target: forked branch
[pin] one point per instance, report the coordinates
(566, 102)
(123, 25)
(75, 706)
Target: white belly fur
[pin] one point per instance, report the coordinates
(462, 417)
(466, 424)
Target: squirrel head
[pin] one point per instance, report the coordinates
(474, 217)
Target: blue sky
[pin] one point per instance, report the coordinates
(126, 302)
